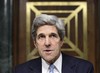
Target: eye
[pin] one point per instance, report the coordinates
(40, 36)
(54, 35)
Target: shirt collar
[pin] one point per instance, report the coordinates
(57, 63)
(45, 66)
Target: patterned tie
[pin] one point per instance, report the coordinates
(51, 68)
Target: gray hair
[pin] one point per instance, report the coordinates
(45, 19)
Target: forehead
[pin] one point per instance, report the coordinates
(47, 29)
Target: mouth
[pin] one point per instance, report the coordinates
(48, 51)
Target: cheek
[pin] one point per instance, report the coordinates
(39, 46)
(57, 43)
(39, 43)
(57, 47)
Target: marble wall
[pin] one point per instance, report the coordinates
(5, 36)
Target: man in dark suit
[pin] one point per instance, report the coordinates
(48, 33)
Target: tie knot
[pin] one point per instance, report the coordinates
(51, 68)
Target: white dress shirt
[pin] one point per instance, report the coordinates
(57, 64)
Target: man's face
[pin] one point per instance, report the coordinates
(48, 43)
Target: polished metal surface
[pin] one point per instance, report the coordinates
(67, 11)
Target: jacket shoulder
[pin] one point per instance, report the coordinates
(77, 64)
(27, 66)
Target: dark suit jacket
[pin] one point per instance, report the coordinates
(69, 65)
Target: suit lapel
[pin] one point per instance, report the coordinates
(67, 64)
(35, 66)
(66, 69)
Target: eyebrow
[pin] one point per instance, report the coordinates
(40, 34)
(53, 34)
(49, 34)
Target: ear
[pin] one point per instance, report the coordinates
(62, 43)
(35, 44)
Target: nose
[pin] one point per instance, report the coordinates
(47, 42)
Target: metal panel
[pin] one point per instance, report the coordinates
(74, 15)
